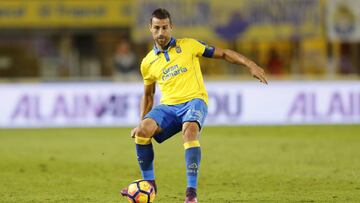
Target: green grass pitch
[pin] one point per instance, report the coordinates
(239, 164)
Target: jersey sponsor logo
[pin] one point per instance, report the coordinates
(172, 72)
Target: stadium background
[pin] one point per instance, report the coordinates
(59, 40)
(75, 63)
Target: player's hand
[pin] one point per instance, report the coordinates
(133, 132)
(258, 73)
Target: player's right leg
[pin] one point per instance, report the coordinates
(144, 150)
(160, 123)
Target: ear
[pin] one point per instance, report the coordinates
(150, 27)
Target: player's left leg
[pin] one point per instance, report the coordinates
(194, 113)
(192, 158)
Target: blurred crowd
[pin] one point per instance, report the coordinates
(112, 53)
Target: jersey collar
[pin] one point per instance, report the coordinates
(170, 44)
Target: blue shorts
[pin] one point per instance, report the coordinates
(171, 117)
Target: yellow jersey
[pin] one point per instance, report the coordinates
(177, 70)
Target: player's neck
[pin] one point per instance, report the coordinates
(164, 47)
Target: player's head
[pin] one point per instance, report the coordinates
(161, 26)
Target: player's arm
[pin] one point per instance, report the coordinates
(147, 101)
(236, 58)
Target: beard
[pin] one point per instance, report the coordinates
(162, 41)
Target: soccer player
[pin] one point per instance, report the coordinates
(174, 65)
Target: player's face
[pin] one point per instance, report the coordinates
(161, 31)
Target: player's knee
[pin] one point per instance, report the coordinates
(147, 128)
(191, 129)
(191, 132)
(142, 132)
(142, 137)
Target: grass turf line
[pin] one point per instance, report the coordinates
(239, 164)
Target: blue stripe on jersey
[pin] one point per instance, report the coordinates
(166, 54)
(170, 44)
(209, 50)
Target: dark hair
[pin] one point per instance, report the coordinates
(160, 13)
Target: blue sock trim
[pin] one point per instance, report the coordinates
(148, 175)
(192, 181)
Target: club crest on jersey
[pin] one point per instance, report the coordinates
(178, 49)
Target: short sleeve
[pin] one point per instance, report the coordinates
(202, 49)
(147, 78)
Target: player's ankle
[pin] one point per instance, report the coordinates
(153, 183)
(191, 192)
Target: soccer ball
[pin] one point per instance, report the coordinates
(141, 191)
